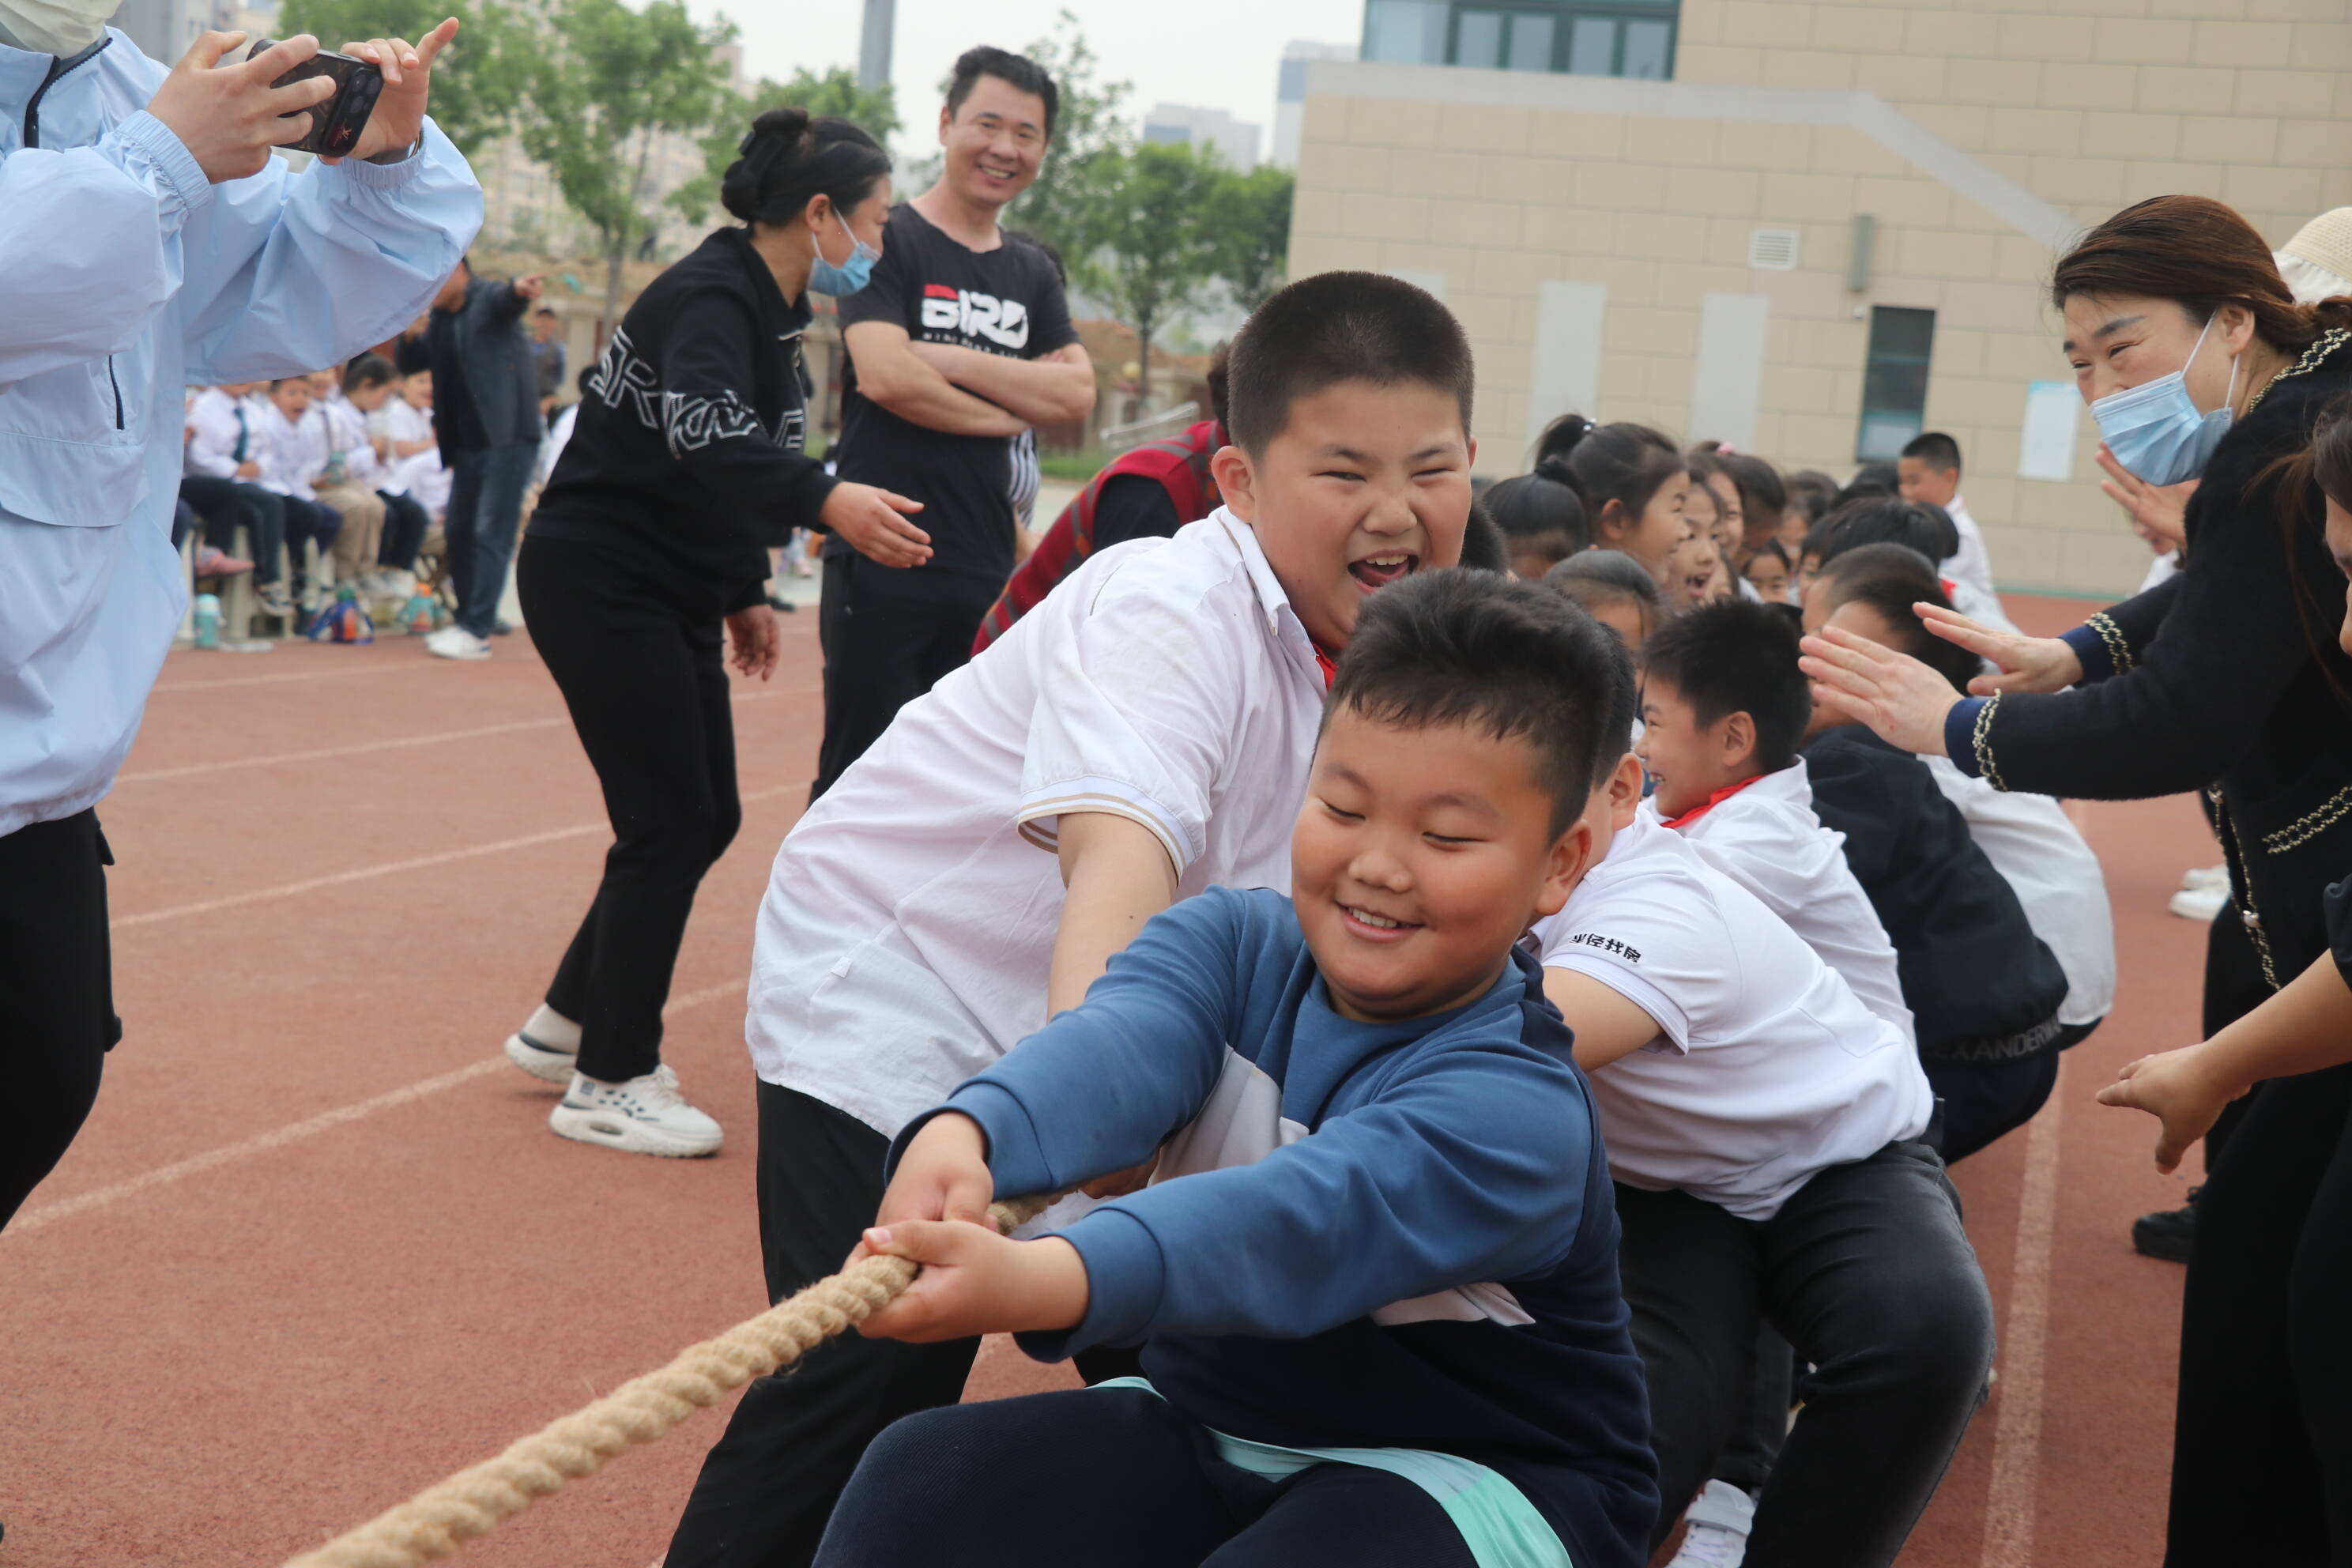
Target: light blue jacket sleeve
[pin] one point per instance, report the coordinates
(90, 244)
(287, 272)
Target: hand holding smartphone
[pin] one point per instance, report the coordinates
(335, 125)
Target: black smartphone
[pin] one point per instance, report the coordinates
(336, 124)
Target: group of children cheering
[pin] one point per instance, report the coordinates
(1480, 1118)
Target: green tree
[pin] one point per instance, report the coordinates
(835, 92)
(1158, 239)
(477, 81)
(605, 82)
(1066, 205)
(1254, 211)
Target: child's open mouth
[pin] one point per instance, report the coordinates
(1380, 571)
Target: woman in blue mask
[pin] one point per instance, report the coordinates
(683, 469)
(2198, 363)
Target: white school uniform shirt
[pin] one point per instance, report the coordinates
(909, 924)
(2034, 845)
(1972, 563)
(218, 425)
(1766, 840)
(347, 433)
(1767, 1070)
(2165, 565)
(402, 476)
(292, 451)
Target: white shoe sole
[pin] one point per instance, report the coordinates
(610, 1130)
(2198, 903)
(555, 1067)
(468, 656)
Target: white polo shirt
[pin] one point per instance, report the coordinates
(1766, 840)
(2033, 844)
(908, 926)
(1766, 1070)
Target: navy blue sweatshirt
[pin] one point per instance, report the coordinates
(1361, 1235)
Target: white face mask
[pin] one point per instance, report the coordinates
(61, 27)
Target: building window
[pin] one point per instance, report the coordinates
(1583, 37)
(1893, 382)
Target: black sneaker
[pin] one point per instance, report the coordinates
(2166, 1234)
(783, 606)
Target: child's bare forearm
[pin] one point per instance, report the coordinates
(1117, 877)
(2306, 1026)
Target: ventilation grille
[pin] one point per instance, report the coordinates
(1772, 250)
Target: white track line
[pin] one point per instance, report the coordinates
(2016, 1431)
(310, 1127)
(362, 748)
(388, 869)
(405, 666)
(192, 770)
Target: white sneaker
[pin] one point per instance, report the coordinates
(644, 1116)
(540, 1060)
(1718, 1525)
(2201, 904)
(2206, 877)
(456, 642)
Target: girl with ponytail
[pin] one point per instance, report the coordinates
(683, 468)
(2198, 363)
(1633, 481)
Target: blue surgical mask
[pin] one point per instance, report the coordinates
(850, 276)
(2156, 432)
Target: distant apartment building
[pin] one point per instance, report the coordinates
(1810, 229)
(1185, 124)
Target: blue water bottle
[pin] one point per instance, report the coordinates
(208, 620)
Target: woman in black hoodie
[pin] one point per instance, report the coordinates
(683, 468)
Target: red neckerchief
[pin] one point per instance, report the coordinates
(1949, 586)
(1324, 662)
(1717, 798)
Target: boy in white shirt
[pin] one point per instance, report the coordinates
(1142, 734)
(221, 478)
(293, 453)
(412, 456)
(1763, 1128)
(352, 470)
(1723, 711)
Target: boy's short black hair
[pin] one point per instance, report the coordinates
(1890, 579)
(1737, 657)
(1334, 327)
(1539, 513)
(1761, 490)
(1016, 71)
(1592, 580)
(1935, 449)
(1456, 646)
(366, 371)
(1484, 546)
(1887, 519)
(1814, 492)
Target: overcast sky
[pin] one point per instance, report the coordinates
(1219, 53)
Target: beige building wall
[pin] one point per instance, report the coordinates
(1787, 116)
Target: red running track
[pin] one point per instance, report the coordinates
(316, 1247)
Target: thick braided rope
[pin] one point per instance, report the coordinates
(438, 1521)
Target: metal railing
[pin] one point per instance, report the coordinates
(1117, 439)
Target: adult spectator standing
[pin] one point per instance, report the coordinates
(1928, 472)
(652, 534)
(2198, 363)
(548, 360)
(961, 341)
(486, 416)
(145, 250)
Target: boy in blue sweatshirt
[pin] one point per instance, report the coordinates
(1373, 1274)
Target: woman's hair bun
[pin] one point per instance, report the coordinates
(774, 134)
